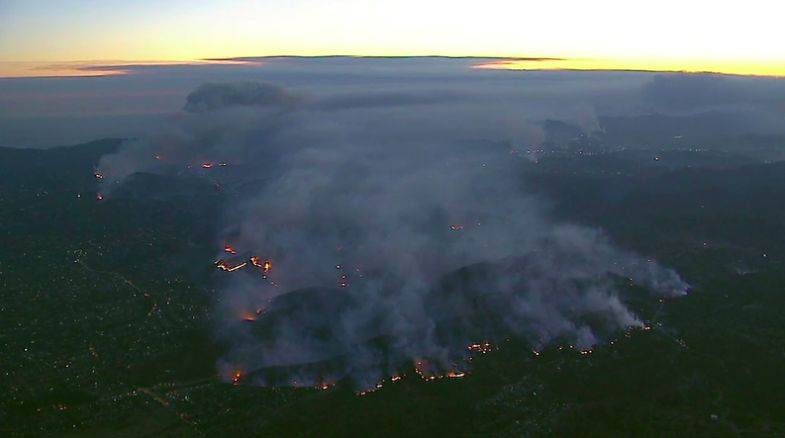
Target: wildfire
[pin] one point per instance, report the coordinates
(251, 316)
(480, 347)
(456, 374)
(264, 265)
(228, 248)
(229, 267)
(370, 390)
(395, 378)
(237, 375)
(420, 368)
(211, 164)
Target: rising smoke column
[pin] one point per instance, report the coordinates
(397, 235)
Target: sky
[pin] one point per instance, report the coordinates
(51, 111)
(50, 38)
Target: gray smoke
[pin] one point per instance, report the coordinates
(214, 96)
(398, 227)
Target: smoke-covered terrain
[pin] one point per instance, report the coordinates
(290, 234)
(364, 214)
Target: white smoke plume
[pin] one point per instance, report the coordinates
(398, 227)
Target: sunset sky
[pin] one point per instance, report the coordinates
(40, 38)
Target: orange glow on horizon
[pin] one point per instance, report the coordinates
(98, 68)
(113, 68)
(752, 68)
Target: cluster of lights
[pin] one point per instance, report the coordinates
(480, 347)
(365, 392)
(343, 277)
(204, 165)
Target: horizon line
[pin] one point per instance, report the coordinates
(116, 67)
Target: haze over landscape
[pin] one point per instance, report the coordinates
(305, 218)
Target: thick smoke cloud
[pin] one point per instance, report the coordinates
(708, 91)
(214, 96)
(45, 112)
(398, 227)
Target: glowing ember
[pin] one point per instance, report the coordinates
(483, 347)
(264, 265)
(229, 267)
(99, 175)
(211, 164)
(228, 248)
(420, 369)
(236, 375)
(370, 390)
(251, 316)
(455, 374)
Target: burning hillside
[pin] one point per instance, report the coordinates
(397, 239)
